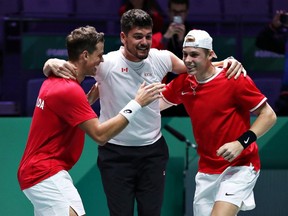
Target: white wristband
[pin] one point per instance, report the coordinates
(130, 110)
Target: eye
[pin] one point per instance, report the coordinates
(194, 55)
(138, 37)
(148, 37)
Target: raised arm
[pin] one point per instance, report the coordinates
(102, 132)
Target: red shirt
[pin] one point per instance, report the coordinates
(220, 113)
(55, 142)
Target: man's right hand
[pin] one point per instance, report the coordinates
(146, 94)
(60, 68)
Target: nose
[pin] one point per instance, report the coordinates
(188, 58)
(144, 40)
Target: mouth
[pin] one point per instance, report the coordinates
(190, 67)
(143, 48)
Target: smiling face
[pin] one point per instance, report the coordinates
(195, 59)
(137, 43)
(198, 54)
(198, 62)
(85, 48)
(136, 34)
(93, 59)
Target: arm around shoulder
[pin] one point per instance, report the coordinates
(51, 66)
(178, 65)
(60, 68)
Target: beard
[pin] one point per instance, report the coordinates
(141, 52)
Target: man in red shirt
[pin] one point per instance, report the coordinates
(220, 109)
(61, 117)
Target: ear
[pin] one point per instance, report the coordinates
(211, 54)
(85, 54)
(123, 37)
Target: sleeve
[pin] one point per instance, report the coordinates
(161, 61)
(71, 104)
(171, 94)
(248, 96)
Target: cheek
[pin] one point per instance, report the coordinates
(187, 59)
(98, 60)
(133, 43)
(95, 61)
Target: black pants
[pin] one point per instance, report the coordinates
(134, 173)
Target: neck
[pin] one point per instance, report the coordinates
(129, 56)
(79, 75)
(211, 71)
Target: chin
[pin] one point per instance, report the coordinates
(191, 71)
(143, 56)
(143, 52)
(94, 72)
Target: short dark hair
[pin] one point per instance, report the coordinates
(135, 18)
(186, 2)
(82, 38)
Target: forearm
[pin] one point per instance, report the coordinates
(51, 66)
(102, 132)
(221, 63)
(110, 128)
(46, 68)
(218, 63)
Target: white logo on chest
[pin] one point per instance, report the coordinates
(147, 74)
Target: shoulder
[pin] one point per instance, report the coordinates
(240, 79)
(66, 88)
(181, 79)
(155, 51)
(159, 54)
(110, 59)
(110, 55)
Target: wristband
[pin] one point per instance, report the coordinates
(247, 138)
(130, 110)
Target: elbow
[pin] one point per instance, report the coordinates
(101, 140)
(274, 117)
(101, 143)
(271, 115)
